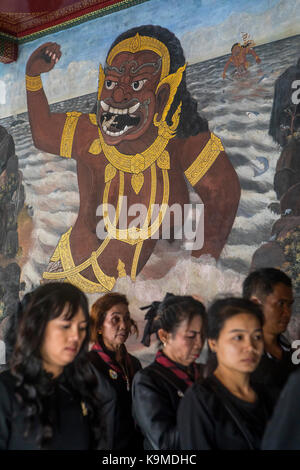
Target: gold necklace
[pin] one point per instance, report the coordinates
(136, 163)
(134, 235)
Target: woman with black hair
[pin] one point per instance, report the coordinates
(157, 390)
(227, 411)
(48, 397)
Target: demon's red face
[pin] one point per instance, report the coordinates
(128, 101)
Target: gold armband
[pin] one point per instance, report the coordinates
(68, 134)
(33, 83)
(204, 160)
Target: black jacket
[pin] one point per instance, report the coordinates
(212, 418)
(275, 372)
(156, 394)
(283, 431)
(123, 431)
(71, 429)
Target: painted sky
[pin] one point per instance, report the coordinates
(206, 28)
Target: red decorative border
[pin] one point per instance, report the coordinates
(42, 23)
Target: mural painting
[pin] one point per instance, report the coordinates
(145, 137)
(172, 124)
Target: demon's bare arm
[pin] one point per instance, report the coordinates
(46, 127)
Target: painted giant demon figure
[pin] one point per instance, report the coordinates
(145, 140)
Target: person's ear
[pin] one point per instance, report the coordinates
(212, 343)
(162, 97)
(163, 336)
(256, 300)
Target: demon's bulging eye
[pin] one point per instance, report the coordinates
(138, 84)
(110, 85)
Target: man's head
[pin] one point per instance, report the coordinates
(236, 48)
(272, 289)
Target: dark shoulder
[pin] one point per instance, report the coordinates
(201, 368)
(149, 374)
(293, 383)
(283, 341)
(157, 376)
(201, 397)
(7, 388)
(104, 388)
(203, 387)
(294, 380)
(101, 369)
(268, 395)
(265, 391)
(204, 391)
(8, 380)
(157, 380)
(148, 370)
(97, 361)
(135, 363)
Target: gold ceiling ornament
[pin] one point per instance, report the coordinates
(143, 43)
